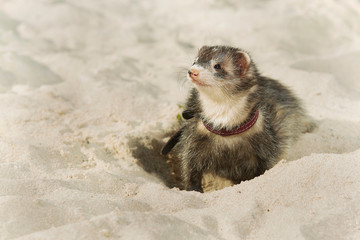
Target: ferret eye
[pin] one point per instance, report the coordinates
(193, 64)
(217, 66)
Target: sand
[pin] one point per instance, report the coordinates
(89, 88)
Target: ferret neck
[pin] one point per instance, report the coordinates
(223, 110)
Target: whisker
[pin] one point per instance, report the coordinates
(181, 78)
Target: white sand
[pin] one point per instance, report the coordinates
(87, 87)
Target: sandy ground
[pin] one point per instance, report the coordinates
(89, 88)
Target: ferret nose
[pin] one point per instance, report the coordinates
(193, 73)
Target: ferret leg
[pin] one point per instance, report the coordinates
(309, 125)
(191, 177)
(195, 181)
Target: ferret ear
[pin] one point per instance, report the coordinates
(203, 48)
(243, 60)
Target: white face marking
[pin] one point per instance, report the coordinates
(197, 67)
(205, 76)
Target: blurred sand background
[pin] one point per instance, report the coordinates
(89, 88)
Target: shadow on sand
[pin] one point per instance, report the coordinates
(147, 151)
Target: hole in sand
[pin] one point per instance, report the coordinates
(147, 151)
(331, 136)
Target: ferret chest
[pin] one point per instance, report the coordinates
(228, 153)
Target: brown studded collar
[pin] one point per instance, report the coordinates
(239, 129)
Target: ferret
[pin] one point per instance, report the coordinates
(238, 123)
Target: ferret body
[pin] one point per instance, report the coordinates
(229, 94)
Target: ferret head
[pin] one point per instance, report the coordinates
(222, 68)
